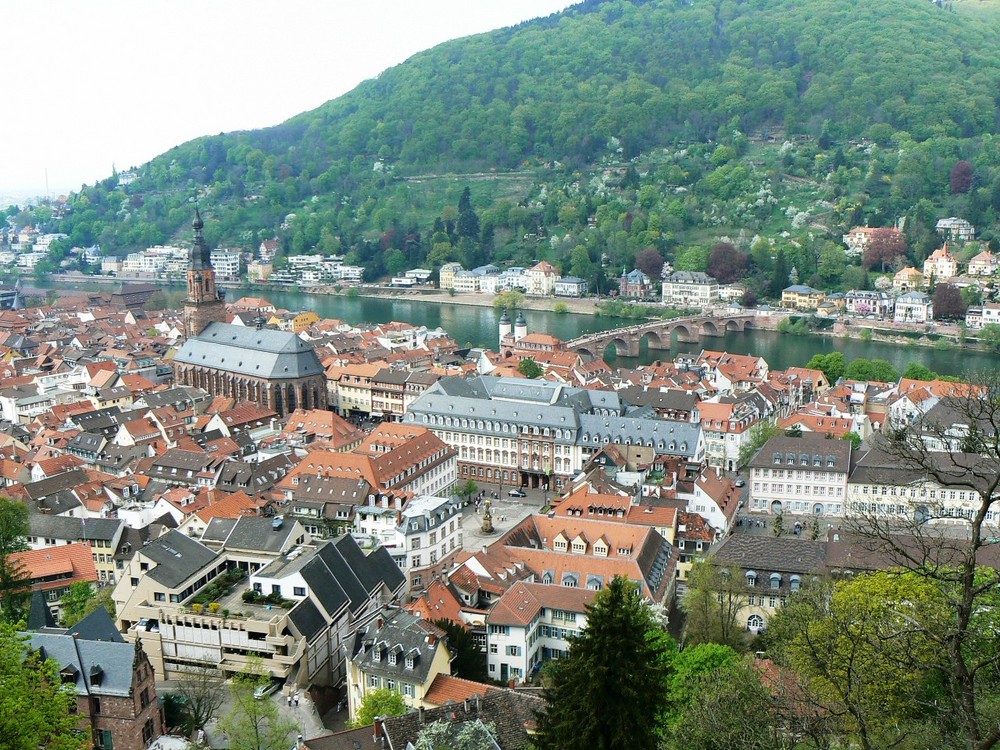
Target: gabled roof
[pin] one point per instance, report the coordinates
(258, 352)
(115, 662)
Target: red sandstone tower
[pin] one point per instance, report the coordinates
(204, 303)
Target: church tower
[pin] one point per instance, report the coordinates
(204, 303)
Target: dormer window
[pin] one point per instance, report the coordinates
(409, 662)
(794, 583)
(751, 578)
(392, 658)
(775, 580)
(777, 458)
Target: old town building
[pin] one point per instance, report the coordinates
(276, 369)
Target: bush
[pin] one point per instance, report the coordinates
(560, 308)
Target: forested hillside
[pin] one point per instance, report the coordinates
(609, 129)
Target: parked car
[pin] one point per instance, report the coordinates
(740, 483)
(268, 688)
(517, 493)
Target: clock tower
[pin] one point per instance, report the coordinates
(204, 303)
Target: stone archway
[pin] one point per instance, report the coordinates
(654, 340)
(709, 328)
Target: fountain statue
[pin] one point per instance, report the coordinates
(487, 518)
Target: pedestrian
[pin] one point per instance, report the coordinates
(289, 700)
(296, 700)
(201, 736)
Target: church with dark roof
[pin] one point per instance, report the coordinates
(272, 368)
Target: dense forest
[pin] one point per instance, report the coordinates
(607, 131)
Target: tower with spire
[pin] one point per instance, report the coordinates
(204, 303)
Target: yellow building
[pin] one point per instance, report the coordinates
(801, 297)
(446, 277)
(400, 652)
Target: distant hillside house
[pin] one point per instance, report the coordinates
(940, 265)
(635, 284)
(984, 264)
(908, 279)
(690, 289)
(956, 230)
(571, 286)
(801, 297)
(913, 307)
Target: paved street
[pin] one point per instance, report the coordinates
(304, 716)
(507, 512)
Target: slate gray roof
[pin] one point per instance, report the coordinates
(803, 451)
(181, 395)
(261, 353)
(374, 569)
(307, 619)
(51, 485)
(408, 636)
(87, 442)
(114, 659)
(255, 476)
(63, 527)
(574, 412)
(177, 558)
(250, 533)
(97, 626)
(768, 554)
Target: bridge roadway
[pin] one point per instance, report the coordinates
(659, 333)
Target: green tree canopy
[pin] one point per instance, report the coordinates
(15, 591)
(609, 689)
(832, 365)
(380, 702)
(860, 655)
(253, 724)
(36, 709)
(530, 368)
(871, 369)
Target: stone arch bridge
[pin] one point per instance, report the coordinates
(658, 334)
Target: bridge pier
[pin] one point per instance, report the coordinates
(684, 337)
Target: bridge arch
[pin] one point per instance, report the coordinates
(585, 352)
(622, 347)
(685, 331)
(655, 339)
(709, 328)
(738, 325)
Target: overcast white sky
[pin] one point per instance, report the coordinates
(88, 85)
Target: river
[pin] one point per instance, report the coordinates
(477, 326)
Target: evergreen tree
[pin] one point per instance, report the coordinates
(15, 591)
(609, 690)
(779, 278)
(468, 220)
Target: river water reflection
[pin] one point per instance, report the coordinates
(477, 326)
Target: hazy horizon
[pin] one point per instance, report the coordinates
(111, 84)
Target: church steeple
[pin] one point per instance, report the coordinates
(204, 303)
(200, 257)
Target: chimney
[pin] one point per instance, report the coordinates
(378, 730)
(478, 705)
(420, 714)
(431, 639)
(379, 622)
